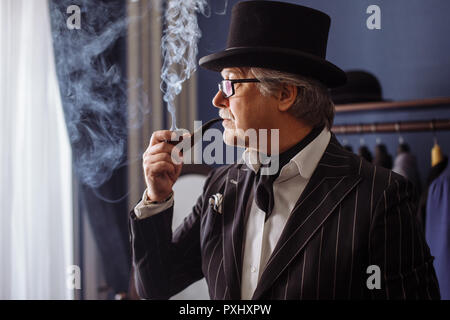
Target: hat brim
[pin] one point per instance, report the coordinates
(280, 59)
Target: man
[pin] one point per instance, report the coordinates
(327, 225)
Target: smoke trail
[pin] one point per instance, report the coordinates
(93, 85)
(179, 47)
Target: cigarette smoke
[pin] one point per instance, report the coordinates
(93, 86)
(93, 89)
(179, 47)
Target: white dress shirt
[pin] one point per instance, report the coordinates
(261, 237)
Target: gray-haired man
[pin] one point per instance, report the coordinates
(312, 230)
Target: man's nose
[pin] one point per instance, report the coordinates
(219, 101)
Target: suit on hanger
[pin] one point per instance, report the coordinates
(438, 228)
(350, 216)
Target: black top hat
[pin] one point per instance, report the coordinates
(280, 36)
(361, 86)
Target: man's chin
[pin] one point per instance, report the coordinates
(231, 138)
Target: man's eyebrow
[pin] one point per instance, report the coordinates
(228, 73)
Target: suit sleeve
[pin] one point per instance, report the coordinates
(166, 263)
(398, 247)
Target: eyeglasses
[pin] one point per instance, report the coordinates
(227, 86)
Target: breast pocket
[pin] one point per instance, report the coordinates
(210, 227)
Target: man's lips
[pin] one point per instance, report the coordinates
(227, 123)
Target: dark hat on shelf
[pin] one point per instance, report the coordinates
(279, 36)
(361, 86)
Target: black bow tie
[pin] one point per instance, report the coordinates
(264, 182)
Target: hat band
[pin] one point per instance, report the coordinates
(277, 50)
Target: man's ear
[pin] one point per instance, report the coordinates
(286, 97)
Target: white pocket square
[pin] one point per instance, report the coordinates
(215, 202)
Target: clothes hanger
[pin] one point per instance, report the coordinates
(381, 153)
(363, 150)
(362, 141)
(402, 145)
(397, 129)
(374, 130)
(345, 143)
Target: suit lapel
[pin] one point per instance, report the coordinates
(335, 176)
(237, 189)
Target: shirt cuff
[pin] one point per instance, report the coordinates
(144, 210)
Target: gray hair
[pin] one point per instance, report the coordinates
(313, 103)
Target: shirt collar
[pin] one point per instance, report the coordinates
(303, 163)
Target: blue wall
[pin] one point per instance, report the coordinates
(409, 55)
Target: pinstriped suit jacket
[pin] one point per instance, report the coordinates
(351, 215)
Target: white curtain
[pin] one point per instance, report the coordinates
(36, 237)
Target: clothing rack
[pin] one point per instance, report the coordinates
(383, 105)
(389, 127)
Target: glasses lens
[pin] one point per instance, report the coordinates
(226, 87)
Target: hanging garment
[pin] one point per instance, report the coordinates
(406, 164)
(365, 153)
(437, 230)
(382, 157)
(432, 175)
(436, 154)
